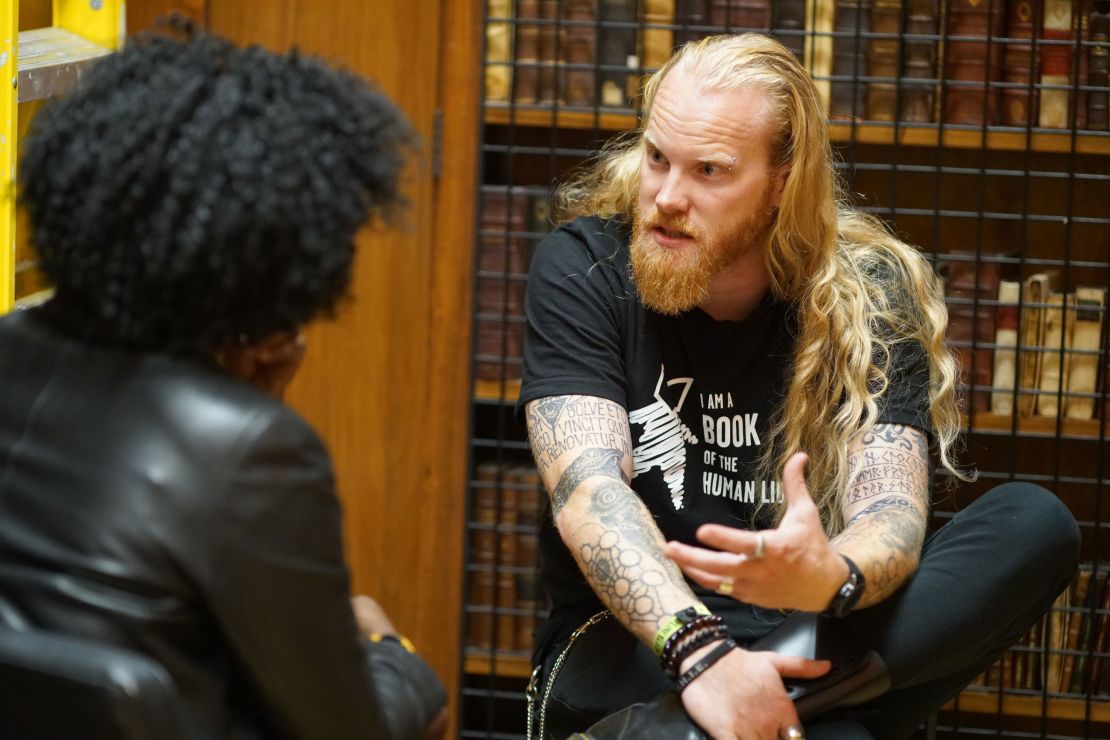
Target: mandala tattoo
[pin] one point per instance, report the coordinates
(625, 564)
(618, 546)
(592, 462)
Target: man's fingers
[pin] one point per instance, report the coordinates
(730, 539)
(688, 556)
(702, 577)
(792, 666)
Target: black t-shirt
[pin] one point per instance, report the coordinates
(699, 394)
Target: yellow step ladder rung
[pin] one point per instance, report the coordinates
(38, 64)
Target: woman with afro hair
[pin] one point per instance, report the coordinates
(194, 205)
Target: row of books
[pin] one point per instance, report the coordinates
(1025, 347)
(512, 221)
(504, 600)
(1001, 62)
(979, 62)
(1066, 651)
(593, 52)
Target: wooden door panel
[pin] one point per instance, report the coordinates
(374, 382)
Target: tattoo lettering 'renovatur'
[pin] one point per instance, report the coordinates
(623, 556)
(561, 424)
(891, 471)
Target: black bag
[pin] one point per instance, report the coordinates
(620, 671)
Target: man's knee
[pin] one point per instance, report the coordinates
(1033, 521)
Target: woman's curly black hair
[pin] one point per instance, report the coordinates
(193, 194)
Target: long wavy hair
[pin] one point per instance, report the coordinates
(857, 289)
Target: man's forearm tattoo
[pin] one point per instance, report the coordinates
(891, 502)
(890, 471)
(562, 423)
(899, 523)
(591, 462)
(893, 461)
(610, 531)
(623, 556)
(896, 524)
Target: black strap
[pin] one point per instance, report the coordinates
(703, 664)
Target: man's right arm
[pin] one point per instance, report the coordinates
(583, 449)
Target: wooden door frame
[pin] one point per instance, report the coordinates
(437, 579)
(455, 209)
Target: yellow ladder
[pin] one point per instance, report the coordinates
(42, 63)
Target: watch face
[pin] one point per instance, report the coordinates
(848, 594)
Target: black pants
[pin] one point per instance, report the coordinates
(984, 578)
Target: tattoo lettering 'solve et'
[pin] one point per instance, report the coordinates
(623, 558)
(559, 424)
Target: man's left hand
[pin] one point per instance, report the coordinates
(790, 567)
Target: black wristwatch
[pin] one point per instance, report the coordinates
(848, 595)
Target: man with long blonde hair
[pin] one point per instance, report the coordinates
(720, 352)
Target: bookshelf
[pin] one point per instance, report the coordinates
(987, 702)
(507, 391)
(509, 665)
(946, 126)
(864, 132)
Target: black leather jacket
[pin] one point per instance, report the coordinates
(158, 503)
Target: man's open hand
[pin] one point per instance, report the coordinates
(797, 568)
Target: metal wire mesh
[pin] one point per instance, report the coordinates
(976, 129)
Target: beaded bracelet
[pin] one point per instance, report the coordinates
(695, 641)
(705, 623)
(675, 623)
(678, 635)
(704, 664)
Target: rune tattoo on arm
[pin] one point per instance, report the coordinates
(888, 498)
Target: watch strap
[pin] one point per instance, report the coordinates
(849, 593)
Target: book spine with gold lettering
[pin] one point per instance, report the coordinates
(1019, 96)
(919, 68)
(1057, 50)
(973, 62)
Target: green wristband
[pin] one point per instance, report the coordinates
(675, 623)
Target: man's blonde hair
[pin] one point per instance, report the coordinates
(858, 289)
